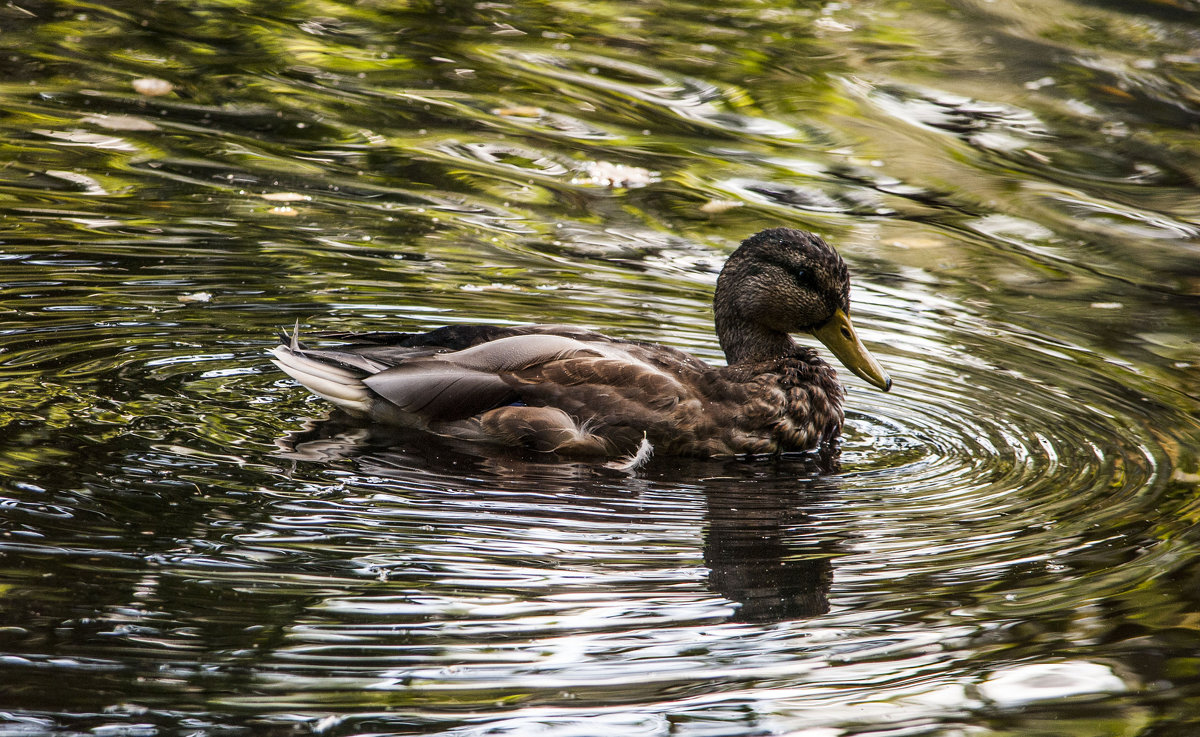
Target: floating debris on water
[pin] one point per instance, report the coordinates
(152, 87)
(608, 174)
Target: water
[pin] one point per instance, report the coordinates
(190, 547)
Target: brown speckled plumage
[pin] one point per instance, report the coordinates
(575, 392)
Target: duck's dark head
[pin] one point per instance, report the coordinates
(783, 281)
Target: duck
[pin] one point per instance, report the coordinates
(566, 390)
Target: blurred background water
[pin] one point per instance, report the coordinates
(189, 547)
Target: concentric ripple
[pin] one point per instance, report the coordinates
(1002, 467)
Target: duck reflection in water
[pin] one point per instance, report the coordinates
(761, 548)
(760, 553)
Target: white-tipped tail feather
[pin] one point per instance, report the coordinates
(336, 384)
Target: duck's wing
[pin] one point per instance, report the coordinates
(450, 386)
(583, 399)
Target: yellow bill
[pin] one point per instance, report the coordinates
(838, 336)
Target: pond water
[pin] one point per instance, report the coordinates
(190, 545)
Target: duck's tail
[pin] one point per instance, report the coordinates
(324, 378)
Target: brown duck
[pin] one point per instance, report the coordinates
(567, 390)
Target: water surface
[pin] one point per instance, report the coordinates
(192, 545)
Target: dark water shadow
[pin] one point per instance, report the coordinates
(762, 547)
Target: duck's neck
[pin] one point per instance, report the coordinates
(749, 342)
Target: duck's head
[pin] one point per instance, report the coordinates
(783, 281)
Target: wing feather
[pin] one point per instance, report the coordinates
(441, 392)
(520, 352)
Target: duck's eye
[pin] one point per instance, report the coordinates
(799, 274)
